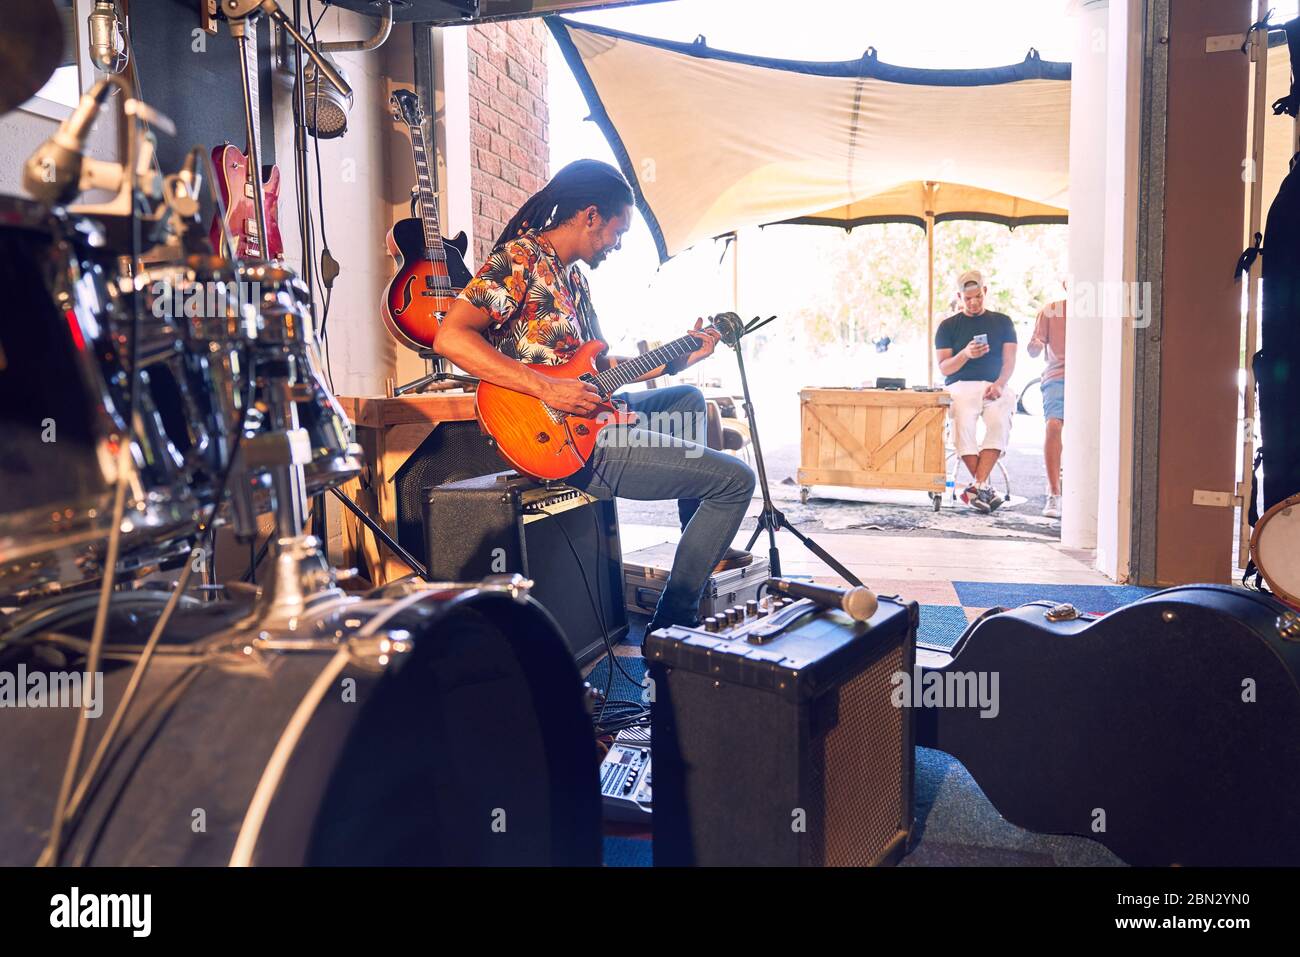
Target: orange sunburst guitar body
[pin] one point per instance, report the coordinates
(547, 444)
(539, 441)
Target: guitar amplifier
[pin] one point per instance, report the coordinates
(783, 751)
(565, 540)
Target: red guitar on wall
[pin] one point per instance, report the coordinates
(431, 271)
(234, 178)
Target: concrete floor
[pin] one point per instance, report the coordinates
(891, 517)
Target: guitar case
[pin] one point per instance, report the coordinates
(1168, 730)
(1277, 363)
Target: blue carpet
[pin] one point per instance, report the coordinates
(628, 852)
(941, 625)
(1089, 598)
(623, 689)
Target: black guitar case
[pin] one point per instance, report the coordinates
(1277, 363)
(1168, 730)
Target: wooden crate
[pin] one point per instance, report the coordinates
(389, 429)
(873, 438)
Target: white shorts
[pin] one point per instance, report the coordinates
(969, 406)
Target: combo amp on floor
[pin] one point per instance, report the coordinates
(777, 740)
(565, 540)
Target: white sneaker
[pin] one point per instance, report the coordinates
(1053, 507)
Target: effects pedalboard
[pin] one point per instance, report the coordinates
(625, 776)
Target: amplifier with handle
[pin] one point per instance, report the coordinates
(784, 751)
(645, 575)
(565, 540)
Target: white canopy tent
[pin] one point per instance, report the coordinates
(713, 141)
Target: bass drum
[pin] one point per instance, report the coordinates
(1275, 549)
(440, 728)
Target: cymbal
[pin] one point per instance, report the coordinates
(31, 47)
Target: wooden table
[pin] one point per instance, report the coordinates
(389, 429)
(873, 438)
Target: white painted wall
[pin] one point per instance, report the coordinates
(1115, 433)
(1084, 360)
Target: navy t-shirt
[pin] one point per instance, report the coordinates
(957, 331)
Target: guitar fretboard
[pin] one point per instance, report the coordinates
(626, 372)
(428, 204)
(253, 241)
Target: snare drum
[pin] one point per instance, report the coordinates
(1275, 549)
(63, 395)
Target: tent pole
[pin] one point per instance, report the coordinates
(929, 284)
(735, 271)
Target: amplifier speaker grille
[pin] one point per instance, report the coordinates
(857, 823)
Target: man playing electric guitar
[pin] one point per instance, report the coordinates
(529, 304)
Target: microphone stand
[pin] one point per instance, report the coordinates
(771, 518)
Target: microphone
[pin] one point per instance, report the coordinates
(858, 603)
(53, 173)
(107, 47)
(183, 188)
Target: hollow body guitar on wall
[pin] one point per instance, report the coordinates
(235, 173)
(431, 271)
(548, 444)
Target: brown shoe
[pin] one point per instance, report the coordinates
(733, 558)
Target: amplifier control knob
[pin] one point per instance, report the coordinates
(751, 608)
(710, 624)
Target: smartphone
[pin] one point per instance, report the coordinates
(982, 339)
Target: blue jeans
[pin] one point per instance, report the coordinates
(665, 456)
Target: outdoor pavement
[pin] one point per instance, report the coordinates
(892, 511)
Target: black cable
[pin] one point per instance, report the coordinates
(328, 290)
(598, 719)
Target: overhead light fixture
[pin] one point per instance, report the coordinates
(326, 112)
(327, 109)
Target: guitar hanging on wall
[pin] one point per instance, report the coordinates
(431, 271)
(235, 180)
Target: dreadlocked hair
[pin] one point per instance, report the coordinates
(583, 183)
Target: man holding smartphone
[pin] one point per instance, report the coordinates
(976, 352)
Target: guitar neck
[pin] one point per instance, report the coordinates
(424, 176)
(253, 239)
(627, 372)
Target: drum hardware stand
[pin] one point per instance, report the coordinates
(438, 373)
(407, 558)
(770, 519)
(300, 578)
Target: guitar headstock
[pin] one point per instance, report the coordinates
(406, 107)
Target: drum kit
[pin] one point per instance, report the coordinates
(151, 391)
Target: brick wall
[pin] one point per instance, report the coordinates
(508, 118)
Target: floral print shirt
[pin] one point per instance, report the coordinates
(537, 316)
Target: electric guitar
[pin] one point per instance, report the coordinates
(548, 444)
(431, 271)
(235, 171)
